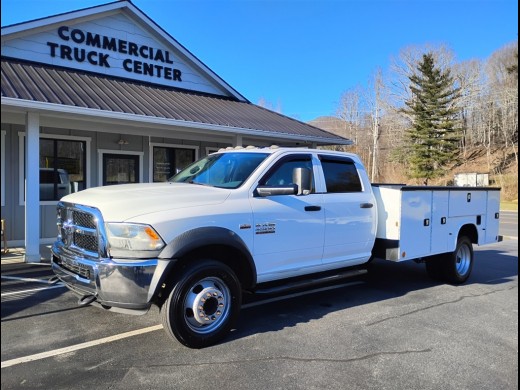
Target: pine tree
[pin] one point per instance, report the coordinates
(435, 134)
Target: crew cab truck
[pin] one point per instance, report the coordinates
(255, 220)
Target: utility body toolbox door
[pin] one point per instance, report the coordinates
(492, 217)
(416, 224)
(467, 202)
(441, 228)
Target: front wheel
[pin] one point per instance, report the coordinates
(203, 305)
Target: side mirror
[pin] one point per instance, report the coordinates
(301, 185)
(302, 177)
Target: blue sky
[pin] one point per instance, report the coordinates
(302, 55)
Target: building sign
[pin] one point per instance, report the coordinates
(84, 46)
(114, 45)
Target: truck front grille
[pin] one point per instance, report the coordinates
(76, 268)
(83, 241)
(83, 219)
(79, 229)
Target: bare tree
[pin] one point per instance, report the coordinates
(374, 104)
(349, 113)
(262, 102)
(503, 91)
(405, 64)
(469, 76)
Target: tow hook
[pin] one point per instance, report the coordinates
(86, 300)
(53, 280)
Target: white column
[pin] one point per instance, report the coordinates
(32, 187)
(238, 140)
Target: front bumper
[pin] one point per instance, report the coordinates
(122, 283)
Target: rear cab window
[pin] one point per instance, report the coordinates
(341, 175)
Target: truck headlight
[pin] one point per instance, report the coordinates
(133, 240)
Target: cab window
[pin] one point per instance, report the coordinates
(281, 174)
(340, 175)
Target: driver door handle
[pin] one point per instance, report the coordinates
(366, 205)
(312, 208)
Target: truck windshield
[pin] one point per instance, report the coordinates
(224, 170)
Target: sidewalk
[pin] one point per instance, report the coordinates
(17, 254)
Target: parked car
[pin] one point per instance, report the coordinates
(49, 178)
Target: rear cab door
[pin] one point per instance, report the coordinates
(350, 211)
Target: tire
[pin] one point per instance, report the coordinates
(457, 265)
(203, 305)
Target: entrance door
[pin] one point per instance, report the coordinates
(120, 169)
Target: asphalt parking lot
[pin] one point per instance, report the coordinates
(392, 329)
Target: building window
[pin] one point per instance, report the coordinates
(211, 149)
(120, 169)
(62, 168)
(169, 160)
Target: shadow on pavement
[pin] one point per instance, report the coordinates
(385, 280)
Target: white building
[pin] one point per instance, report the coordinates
(103, 96)
(472, 179)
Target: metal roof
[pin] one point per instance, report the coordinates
(35, 82)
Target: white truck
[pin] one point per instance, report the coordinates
(256, 220)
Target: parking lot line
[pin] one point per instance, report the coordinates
(72, 348)
(20, 292)
(31, 280)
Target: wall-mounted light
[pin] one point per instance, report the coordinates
(122, 142)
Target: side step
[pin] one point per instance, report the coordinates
(308, 283)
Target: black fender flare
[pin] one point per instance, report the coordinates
(208, 236)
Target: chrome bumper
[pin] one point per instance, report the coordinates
(123, 283)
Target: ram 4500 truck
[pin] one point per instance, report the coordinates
(256, 220)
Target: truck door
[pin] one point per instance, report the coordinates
(289, 229)
(350, 213)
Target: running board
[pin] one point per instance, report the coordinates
(307, 283)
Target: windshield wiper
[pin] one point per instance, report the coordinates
(199, 183)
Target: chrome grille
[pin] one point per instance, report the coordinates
(78, 228)
(83, 219)
(83, 241)
(79, 269)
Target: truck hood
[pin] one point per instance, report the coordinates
(126, 201)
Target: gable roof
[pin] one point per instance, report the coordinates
(111, 11)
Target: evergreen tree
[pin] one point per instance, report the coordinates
(435, 134)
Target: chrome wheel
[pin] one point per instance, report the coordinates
(207, 305)
(463, 260)
(456, 266)
(203, 305)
